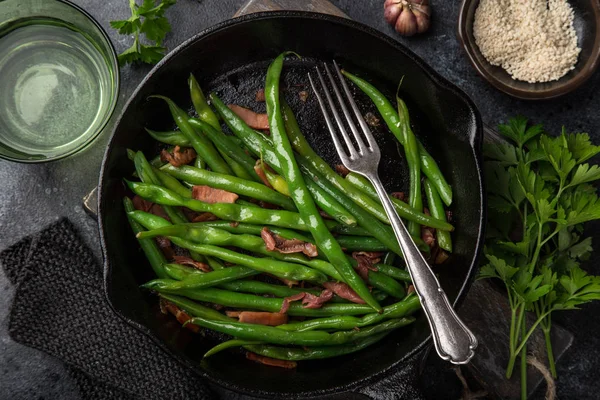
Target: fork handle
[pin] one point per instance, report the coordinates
(452, 339)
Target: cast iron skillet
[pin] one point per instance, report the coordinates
(232, 59)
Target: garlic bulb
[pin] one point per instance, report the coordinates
(407, 16)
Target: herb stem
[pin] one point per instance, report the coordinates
(546, 328)
(524, 363)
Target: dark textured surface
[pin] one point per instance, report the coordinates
(34, 195)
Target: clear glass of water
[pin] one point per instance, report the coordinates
(59, 79)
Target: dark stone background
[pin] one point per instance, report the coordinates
(33, 196)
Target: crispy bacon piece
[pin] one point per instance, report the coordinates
(449, 215)
(287, 300)
(211, 195)
(274, 242)
(372, 119)
(180, 315)
(263, 318)
(287, 282)
(234, 224)
(312, 301)
(365, 262)
(325, 215)
(189, 214)
(205, 217)
(183, 260)
(141, 204)
(233, 314)
(252, 119)
(303, 95)
(165, 245)
(399, 195)
(342, 170)
(258, 168)
(441, 257)
(428, 236)
(260, 95)
(179, 156)
(411, 289)
(344, 291)
(272, 362)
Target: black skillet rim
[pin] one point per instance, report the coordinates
(476, 146)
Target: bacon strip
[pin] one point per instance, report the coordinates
(399, 195)
(165, 245)
(252, 119)
(183, 260)
(365, 263)
(272, 362)
(211, 195)
(344, 291)
(287, 300)
(274, 242)
(179, 157)
(148, 206)
(312, 301)
(263, 318)
(342, 170)
(428, 236)
(180, 315)
(260, 95)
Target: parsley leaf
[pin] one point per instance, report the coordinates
(146, 19)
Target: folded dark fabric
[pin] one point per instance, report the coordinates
(60, 308)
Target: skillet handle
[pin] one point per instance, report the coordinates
(90, 203)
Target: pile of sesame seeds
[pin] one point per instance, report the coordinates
(533, 40)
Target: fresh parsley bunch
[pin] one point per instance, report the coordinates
(148, 19)
(539, 196)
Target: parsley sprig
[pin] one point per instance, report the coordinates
(147, 19)
(539, 197)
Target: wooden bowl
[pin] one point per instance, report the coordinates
(587, 26)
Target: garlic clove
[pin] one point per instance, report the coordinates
(422, 20)
(391, 11)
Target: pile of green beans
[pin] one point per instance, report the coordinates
(284, 188)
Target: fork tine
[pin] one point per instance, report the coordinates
(336, 115)
(338, 145)
(361, 120)
(353, 128)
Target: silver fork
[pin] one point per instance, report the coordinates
(452, 339)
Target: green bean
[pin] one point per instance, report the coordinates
(304, 202)
(411, 151)
(154, 255)
(274, 179)
(205, 113)
(171, 183)
(389, 258)
(386, 284)
(147, 175)
(309, 338)
(199, 162)
(201, 144)
(281, 269)
(346, 230)
(228, 344)
(363, 184)
(252, 302)
(436, 208)
(258, 287)
(170, 137)
(344, 322)
(254, 229)
(214, 263)
(237, 168)
(226, 211)
(313, 353)
(394, 123)
(208, 279)
(264, 150)
(192, 233)
(360, 243)
(227, 146)
(179, 272)
(195, 309)
(394, 272)
(375, 227)
(230, 183)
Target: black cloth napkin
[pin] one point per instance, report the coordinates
(60, 308)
